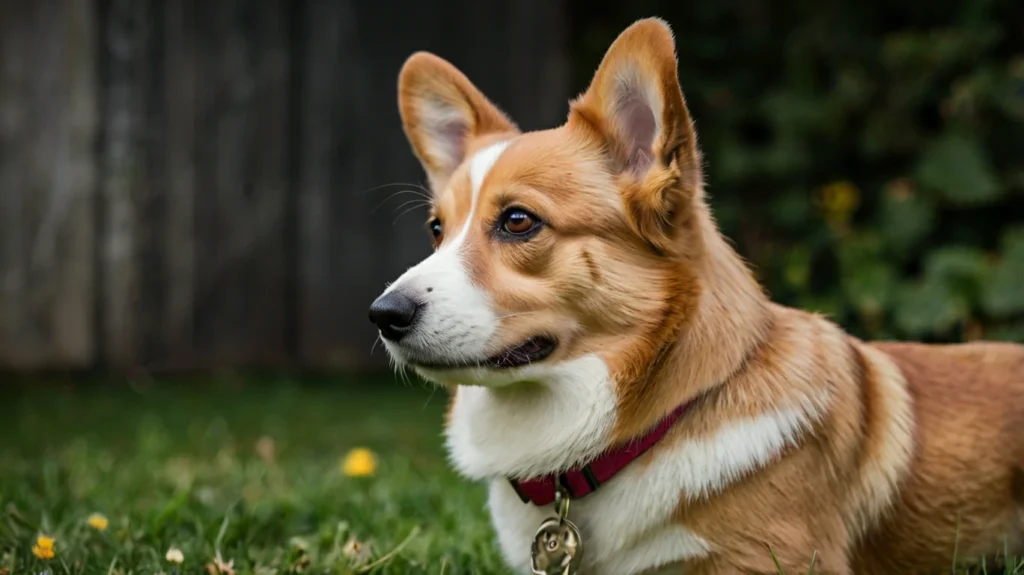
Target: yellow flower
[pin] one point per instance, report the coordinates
(97, 521)
(359, 462)
(174, 555)
(43, 548)
(839, 200)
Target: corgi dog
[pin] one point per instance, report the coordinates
(602, 341)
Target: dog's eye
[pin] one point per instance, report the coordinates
(435, 228)
(518, 222)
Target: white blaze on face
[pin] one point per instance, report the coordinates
(456, 322)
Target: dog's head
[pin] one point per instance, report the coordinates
(554, 244)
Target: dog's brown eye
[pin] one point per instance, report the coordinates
(518, 222)
(435, 228)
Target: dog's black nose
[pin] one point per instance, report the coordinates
(394, 313)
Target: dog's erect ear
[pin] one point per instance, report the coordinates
(635, 104)
(442, 113)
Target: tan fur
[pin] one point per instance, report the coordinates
(913, 450)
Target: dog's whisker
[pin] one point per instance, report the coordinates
(426, 199)
(408, 210)
(517, 314)
(408, 184)
(416, 203)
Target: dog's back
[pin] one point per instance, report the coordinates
(966, 487)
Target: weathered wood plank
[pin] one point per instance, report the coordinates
(124, 24)
(241, 182)
(324, 22)
(47, 178)
(179, 245)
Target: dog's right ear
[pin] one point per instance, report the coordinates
(443, 113)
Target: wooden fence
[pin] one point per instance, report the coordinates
(192, 185)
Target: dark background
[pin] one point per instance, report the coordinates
(189, 186)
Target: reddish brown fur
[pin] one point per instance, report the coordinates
(969, 405)
(915, 446)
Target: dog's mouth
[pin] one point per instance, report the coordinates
(532, 350)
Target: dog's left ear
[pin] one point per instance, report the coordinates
(635, 105)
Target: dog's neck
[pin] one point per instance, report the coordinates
(730, 321)
(578, 409)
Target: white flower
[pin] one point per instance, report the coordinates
(174, 555)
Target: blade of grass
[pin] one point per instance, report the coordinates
(387, 556)
(776, 560)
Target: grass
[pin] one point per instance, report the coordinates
(253, 473)
(252, 476)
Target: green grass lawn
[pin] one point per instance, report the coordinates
(254, 473)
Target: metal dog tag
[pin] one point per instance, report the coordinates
(557, 548)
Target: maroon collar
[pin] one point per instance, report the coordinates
(581, 481)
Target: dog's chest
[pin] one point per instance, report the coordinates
(626, 525)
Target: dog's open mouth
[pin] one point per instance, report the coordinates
(534, 349)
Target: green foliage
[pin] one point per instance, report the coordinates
(956, 169)
(864, 157)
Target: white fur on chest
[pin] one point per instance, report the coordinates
(566, 418)
(625, 525)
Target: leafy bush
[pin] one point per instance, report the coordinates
(867, 158)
